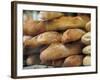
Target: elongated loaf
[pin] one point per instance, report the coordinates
(44, 38)
(64, 23)
(33, 28)
(58, 51)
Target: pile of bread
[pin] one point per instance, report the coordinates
(66, 39)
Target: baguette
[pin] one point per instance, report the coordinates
(64, 23)
(44, 39)
(58, 51)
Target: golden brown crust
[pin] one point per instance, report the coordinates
(44, 38)
(33, 28)
(58, 38)
(64, 23)
(54, 51)
(72, 35)
(74, 60)
(58, 51)
(49, 37)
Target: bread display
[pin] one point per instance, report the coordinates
(57, 39)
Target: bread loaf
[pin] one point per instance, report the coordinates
(74, 60)
(86, 38)
(72, 35)
(58, 51)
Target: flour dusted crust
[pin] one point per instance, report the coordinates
(87, 61)
(87, 50)
(86, 38)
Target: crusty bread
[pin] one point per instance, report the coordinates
(44, 38)
(87, 61)
(72, 35)
(58, 51)
(64, 23)
(74, 60)
(86, 38)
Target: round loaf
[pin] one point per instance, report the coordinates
(87, 50)
(87, 61)
(86, 38)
